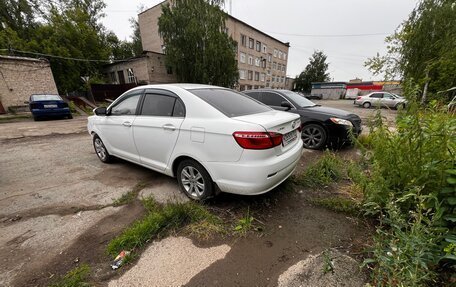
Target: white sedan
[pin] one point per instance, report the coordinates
(211, 138)
(381, 99)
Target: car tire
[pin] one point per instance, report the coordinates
(367, 105)
(314, 136)
(36, 118)
(194, 180)
(101, 150)
(70, 117)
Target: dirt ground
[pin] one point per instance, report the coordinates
(56, 212)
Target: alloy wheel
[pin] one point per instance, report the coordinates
(192, 181)
(312, 137)
(100, 149)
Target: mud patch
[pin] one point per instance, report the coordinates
(293, 229)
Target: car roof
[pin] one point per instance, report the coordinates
(185, 86)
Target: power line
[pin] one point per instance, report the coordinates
(64, 58)
(330, 35)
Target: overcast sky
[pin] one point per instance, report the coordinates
(287, 19)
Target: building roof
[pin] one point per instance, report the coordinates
(144, 55)
(234, 18)
(15, 58)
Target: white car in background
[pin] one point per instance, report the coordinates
(211, 138)
(381, 99)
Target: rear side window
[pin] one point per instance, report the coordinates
(378, 96)
(255, 95)
(158, 105)
(272, 99)
(230, 103)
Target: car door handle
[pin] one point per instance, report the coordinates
(169, 127)
(126, 124)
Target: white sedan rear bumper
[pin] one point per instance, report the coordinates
(257, 177)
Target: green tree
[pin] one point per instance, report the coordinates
(423, 48)
(136, 43)
(197, 47)
(315, 71)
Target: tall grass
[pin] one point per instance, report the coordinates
(409, 188)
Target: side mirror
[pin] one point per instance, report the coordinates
(101, 111)
(286, 104)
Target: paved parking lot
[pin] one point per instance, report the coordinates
(56, 211)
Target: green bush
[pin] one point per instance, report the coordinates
(411, 188)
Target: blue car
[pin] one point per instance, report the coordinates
(54, 106)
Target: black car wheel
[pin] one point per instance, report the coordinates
(367, 105)
(101, 150)
(70, 117)
(313, 136)
(194, 180)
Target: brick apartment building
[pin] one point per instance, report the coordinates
(21, 77)
(262, 59)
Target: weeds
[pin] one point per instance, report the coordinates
(75, 278)
(129, 196)
(160, 220)
(245, 224)
(328, 265)
(410, 189)
(327, 170)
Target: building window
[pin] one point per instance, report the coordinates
(284, 56)
(131, 76)
(242, 88)
(169, 70)
(275, 53)
(274, 66)
(283, 68)
(243, 40)
(257, 76)
(280, 54)
(250, 75)
(257, 62)
(273, 79)
(265, 49)
(262, 77)
(279, 67)
(267, 85)
(251, 43)
(263, 63)
(270, 58)
(251, 60)
(258, 46)
(242, 74)
(242, 57)
(269, 72)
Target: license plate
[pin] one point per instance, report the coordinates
(289, 137)
(50, 106)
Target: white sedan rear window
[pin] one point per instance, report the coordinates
(230, 103)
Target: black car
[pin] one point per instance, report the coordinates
(321, 126)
